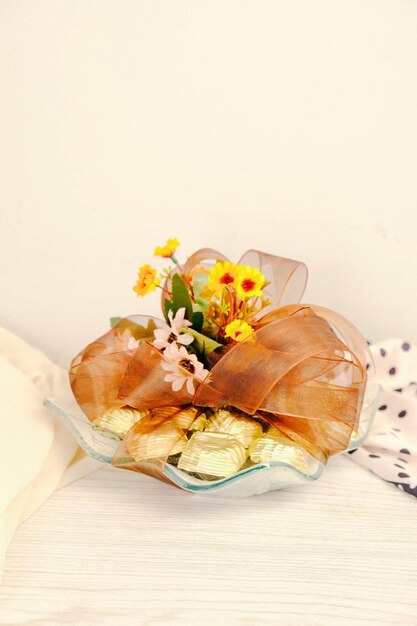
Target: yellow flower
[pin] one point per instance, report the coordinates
(147, 280)
(238, 330)
(222, 275)
(168, 250)
(249, 282)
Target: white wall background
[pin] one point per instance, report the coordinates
(286, 126)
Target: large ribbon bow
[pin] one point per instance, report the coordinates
(303, 370)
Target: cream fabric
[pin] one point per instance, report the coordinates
(37, 453)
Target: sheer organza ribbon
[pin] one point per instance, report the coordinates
(303, 371)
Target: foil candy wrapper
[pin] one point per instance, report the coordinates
(273, 446)
(164, 441)
(200, 423)
(119, 421)
(244, 429)
(186, 418)
(213, 454)
(183, 418)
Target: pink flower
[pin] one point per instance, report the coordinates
(182, 368)
(173, 333)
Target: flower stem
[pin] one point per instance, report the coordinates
(165, 290)
(231, 304)
(173, 258)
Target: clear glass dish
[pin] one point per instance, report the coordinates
(250, 481)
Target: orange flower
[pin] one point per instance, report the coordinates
(147, 280)
(168, 250)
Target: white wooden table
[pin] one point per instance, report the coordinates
(120, 548)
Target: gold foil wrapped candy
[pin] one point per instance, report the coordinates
(214, 454)
(273, 446)
(183, 418)
(164, 441)
(168, 439)
(200, 423)
(119, 421)
(186, 418)
(244, 429)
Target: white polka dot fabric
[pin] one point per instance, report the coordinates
(391, 447)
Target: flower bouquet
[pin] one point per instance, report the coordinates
(237, 389)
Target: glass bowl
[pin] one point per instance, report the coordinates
(250, 481)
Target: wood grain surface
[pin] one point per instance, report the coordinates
(116, 548)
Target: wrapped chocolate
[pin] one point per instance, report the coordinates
(275, 447)
(214, 454)
(187, 417)
(244, 429)
(183, 417)
(162, 442)
(200, 423)
(119, 421)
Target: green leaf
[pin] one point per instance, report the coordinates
(114, 321)
(140, 332)
(198, 319)
(136, 330)
(181, 297)
(167, 307)
(203, 344)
